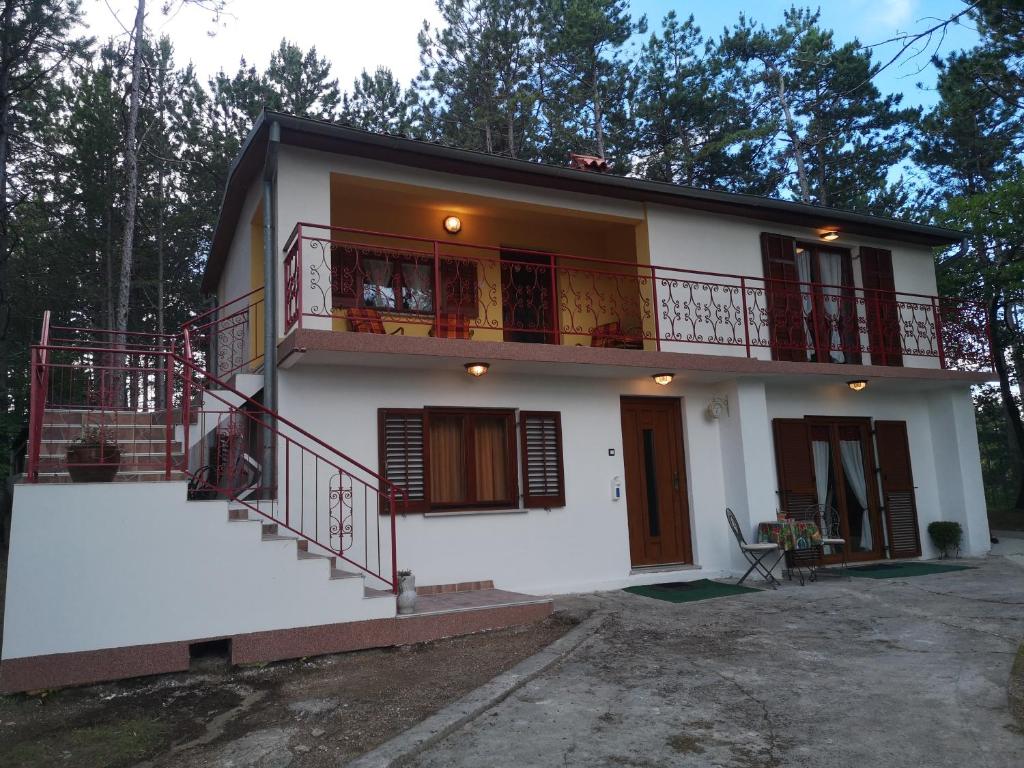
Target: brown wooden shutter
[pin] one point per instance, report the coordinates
(880, 306)
(783, 301)
(899, 503)
(402, 435)
(797, 490)
(540, 439)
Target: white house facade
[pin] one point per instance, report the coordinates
(512, 380)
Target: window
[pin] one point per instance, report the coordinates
(466, 458)
(400, 281)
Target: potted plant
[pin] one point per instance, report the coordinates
(406, 592)
(93, 457)
(946, 536)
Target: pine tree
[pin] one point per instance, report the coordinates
(587, 85)
(378, 103)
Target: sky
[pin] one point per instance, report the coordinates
(356, 34)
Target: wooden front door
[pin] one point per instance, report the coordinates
(656, 504)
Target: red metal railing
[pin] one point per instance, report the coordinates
(558, 298)
(150, 398)
(229, 337)
(313, 490)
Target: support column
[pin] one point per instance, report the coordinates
(961, 490)
(748, 463)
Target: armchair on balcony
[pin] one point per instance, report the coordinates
(451, 325)
(368, 320)
(611, 335)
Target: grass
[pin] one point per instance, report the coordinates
(120, 743)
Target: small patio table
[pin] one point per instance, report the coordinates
(792, 536)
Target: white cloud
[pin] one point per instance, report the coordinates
(893, 13)
(352, 35)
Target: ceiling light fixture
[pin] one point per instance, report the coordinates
(477, 369)
(857, 385)
(663, 378)
(829, 235)
(452, 225)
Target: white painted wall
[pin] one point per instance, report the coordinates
(943, 448)
(108, 565)
(730, 245)
(584, 545)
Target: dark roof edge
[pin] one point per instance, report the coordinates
(330, 137)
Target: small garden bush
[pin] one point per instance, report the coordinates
(946, 536)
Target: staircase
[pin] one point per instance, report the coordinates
(173, 420)
(144, 439)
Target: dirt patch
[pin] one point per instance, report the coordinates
(302, 714)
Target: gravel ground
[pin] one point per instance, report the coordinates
(302, 714)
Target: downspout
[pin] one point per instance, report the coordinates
(270, 301)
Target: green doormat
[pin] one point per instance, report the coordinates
(689, 591)
(900, 570)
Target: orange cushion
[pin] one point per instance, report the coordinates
(452, 325)
(365, 320)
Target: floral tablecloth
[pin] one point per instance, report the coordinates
(789, 534)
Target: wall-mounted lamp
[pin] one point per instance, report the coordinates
(452, 225)
(663, 378)
(477, 369)
(829, 235)
(857, 385)
(718, 407)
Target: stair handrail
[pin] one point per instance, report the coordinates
(37, 397)
(385, 489)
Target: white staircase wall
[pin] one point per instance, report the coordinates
(110, 565)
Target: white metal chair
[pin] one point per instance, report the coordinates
(755, 553)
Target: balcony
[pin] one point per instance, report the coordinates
(353, 280)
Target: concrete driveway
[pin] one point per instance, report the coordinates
(899, 672)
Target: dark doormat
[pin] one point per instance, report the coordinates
(901, 570)
(688, 591)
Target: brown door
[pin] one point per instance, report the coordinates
(528, 298)
(659, 518)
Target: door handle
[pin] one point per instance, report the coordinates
(675, 480)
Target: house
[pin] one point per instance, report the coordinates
(491, 373)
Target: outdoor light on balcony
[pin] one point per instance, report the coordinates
(829, 235)
(857, 385)
(477, 370)
(663, 378)
(452, 225)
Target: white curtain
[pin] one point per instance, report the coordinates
(820, 453)
(853, 467)
(831, 266)
(378, 291)
(417, 278)
(803, 273)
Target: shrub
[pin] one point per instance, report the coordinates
(946, 536)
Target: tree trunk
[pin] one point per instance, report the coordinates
(131, 154)
(794, 139)
(598, 118)
(6, 63)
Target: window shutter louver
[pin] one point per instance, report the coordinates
(797, 489)
(897, 482)
(880, 307)
(783, 301)
(402, 454)
(541, 448)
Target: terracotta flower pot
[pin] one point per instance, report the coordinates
(93, 463)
